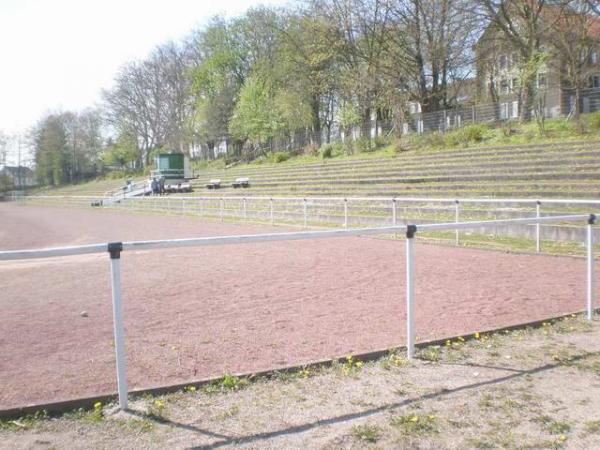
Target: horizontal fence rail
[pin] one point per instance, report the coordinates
(356, 212)
(115, 249)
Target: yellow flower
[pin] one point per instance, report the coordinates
(414, 419)
(562, 438)
(448, 343)
(477, 335)
(97, 405)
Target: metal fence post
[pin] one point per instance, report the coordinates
(591, 301)
(456, 219)
(222, 208)
(345, 213)
(272, 215)
(537, 226)
(114, 249)
(305, 213)
(394, 219)
(410, 290)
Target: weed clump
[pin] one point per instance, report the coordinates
(415, 424)
(368, 433)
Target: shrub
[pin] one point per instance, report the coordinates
(508, 128)
(381, 141)
(435, 139)
(326, 151)
(279, 157)
(311, 150)
(475, 133)
(364, 144)
(331, 150)
(466, 135)
(593, 121)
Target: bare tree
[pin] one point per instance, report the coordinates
(431, 41)
(151, 100)
(519, 25)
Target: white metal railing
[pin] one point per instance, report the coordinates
(340, 211)
(115, 248)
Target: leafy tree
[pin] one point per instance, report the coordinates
(51, 152)
(122, 153)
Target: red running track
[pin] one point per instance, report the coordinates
(199, 312)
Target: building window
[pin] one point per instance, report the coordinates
(504, 87)
(594, 57)
(503, 61)
(515, 59)
(515, 84)
(515, 109)
(595, 81)
(541, 81)
(504, 110)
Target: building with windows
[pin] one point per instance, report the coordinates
(14, 177)
(500, 69)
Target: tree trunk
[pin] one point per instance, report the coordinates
(528, 94)
(577, 112)
(366, 123)
(315, 106)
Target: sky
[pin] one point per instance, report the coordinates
(59, 54)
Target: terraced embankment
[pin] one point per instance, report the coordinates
(568, 170)
(551, 170)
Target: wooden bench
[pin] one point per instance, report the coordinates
(213, 184)
(242, 182)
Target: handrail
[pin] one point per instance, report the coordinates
(269, 237)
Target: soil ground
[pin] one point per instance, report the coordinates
(527, 389)
(200, 312)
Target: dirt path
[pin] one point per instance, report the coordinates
(195, 313)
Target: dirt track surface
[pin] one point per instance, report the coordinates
(193, 313)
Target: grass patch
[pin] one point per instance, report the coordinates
(227, 383)
(413, 424)
(553, 426)
(367, 433)
(431, 353)
(591, 427)
(26, 422)
(351, 366)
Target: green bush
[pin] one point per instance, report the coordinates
(466, 135)
(331, 150)
(435, 139)
(364, 144)
(475, 133)
(593, 121)
(381, 141)
(279, 157)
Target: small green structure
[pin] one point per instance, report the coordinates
(174, 167)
